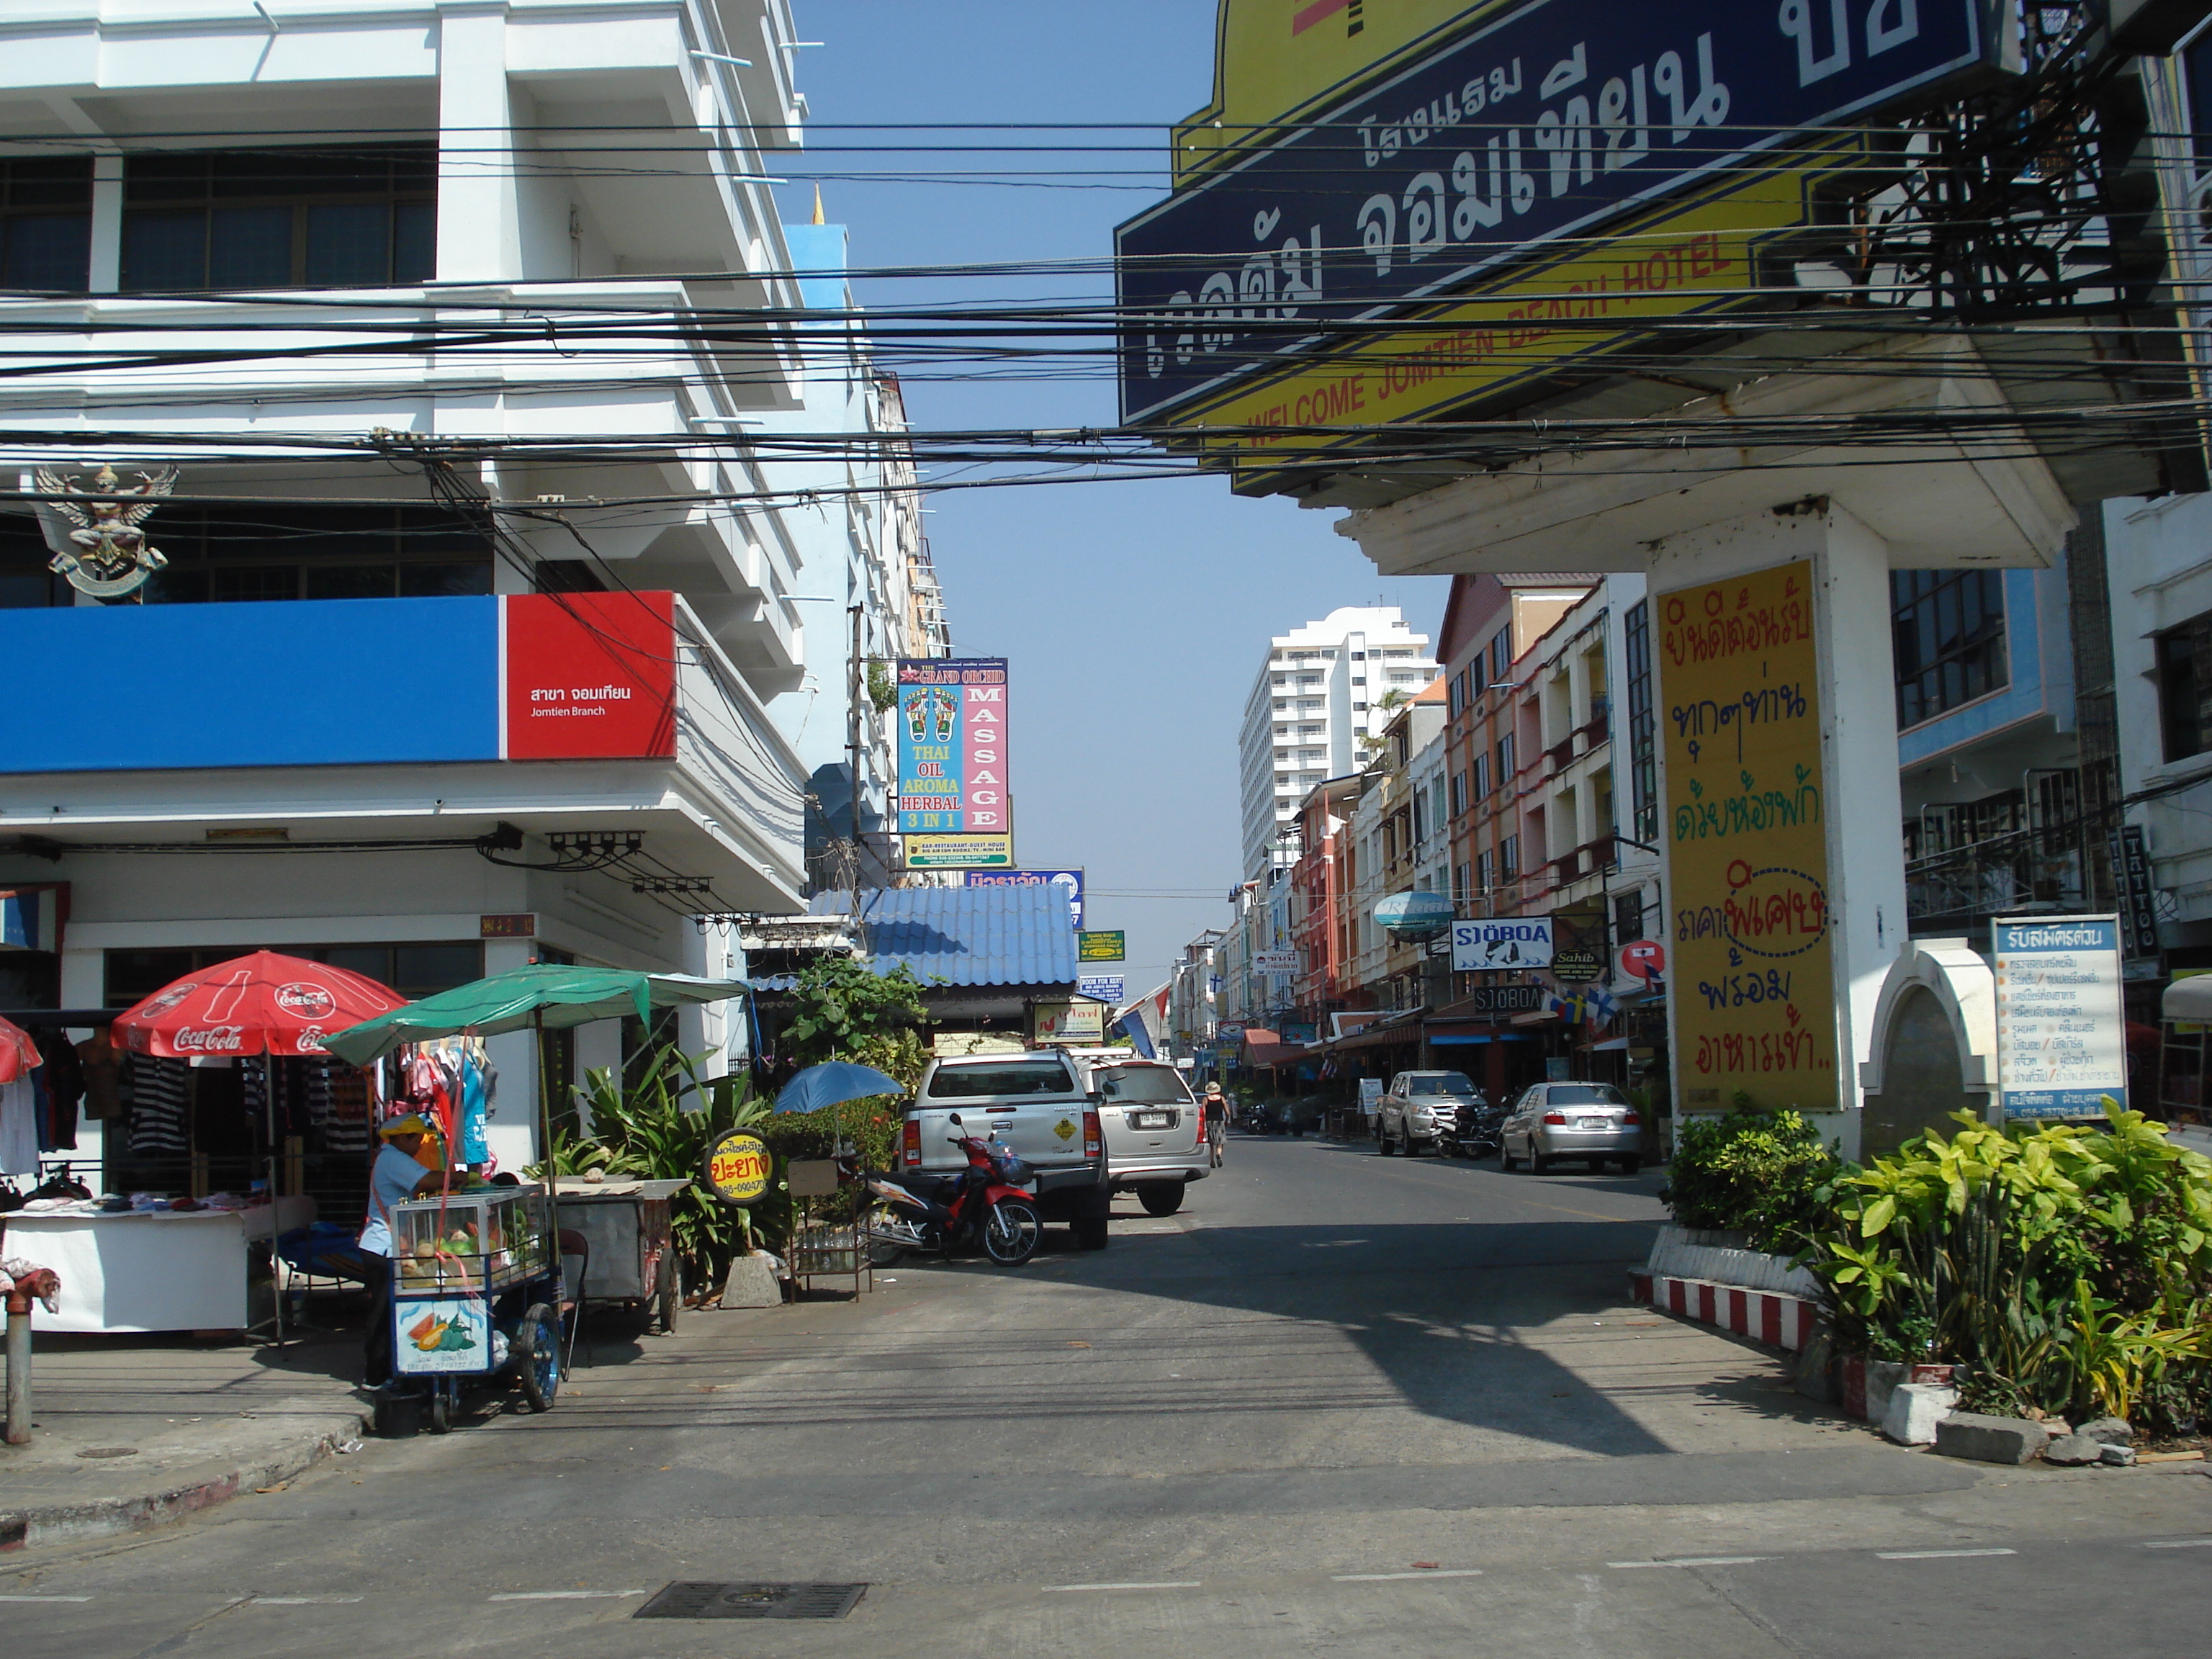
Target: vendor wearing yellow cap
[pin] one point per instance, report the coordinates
(401, 1172)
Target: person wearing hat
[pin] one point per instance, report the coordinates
(398, 1173)
(1216, 1105)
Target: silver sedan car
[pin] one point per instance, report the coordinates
(1590, 1121)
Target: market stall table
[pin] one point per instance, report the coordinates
(160, 1270)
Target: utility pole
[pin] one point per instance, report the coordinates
(856, 689)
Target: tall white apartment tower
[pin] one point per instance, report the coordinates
(1322, 688)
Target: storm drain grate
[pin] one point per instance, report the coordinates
(693, 1600)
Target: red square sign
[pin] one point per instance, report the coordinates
(589, 676)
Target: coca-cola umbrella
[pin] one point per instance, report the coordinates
(262, 1004)
(19, 1055)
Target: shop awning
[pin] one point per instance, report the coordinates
(2188, 998)
(1404, 1034)
(1276, 1054)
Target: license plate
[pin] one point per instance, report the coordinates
(1152, 1120)
(1593, 1124)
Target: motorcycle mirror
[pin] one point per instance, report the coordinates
(954, 1119)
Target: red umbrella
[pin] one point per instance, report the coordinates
(18, 1054)
(260, 1003)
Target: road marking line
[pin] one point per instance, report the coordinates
(1934, 1555)
(1174, 1584)
(1693, 1561)
(303, 1601)
(563, 1595)
(2181, 1544)
(1386, 1578)
(45, 1598)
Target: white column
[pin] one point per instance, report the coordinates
(1857, 778)
(479, 229)
(106, 263)
(512, 1130)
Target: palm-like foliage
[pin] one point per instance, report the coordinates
(661, 1129)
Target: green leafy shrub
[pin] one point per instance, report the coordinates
(661, 1129)
(2069, 1268)
(1764, 1174)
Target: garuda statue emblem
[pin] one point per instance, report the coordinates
(94, 534)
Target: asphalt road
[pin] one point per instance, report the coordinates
(1340, 1404)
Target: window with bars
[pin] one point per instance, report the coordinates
(1485, 870)
(1509, 858)
(1628, 916)
(1950, 632)
(1643, 723)
(2185, 688)
(1501, 655)
(1506, 767)
(46, 223)
(316, 217)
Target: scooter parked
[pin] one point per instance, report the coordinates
(988, 1203)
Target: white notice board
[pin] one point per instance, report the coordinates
(2062, 1027)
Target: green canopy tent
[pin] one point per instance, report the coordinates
(545, 997)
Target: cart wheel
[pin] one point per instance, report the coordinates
(438, 1413)
(536, 1357)
(668, 1297)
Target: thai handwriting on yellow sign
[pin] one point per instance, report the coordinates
(1697, 257)
(739, 1167)
(1747, 841)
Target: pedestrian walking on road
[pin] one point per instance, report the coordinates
(1215, 1105)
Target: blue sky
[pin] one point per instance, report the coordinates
(1134, 614)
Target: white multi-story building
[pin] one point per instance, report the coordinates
(470, 329)
(1324, 688)
(872, 594)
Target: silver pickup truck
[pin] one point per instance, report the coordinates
(1040, 1105)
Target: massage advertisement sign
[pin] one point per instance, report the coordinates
(1753, 998)
(952, 746)
(2062, 1029)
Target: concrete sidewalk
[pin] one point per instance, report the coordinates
(134, 1431)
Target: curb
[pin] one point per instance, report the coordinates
(1769, 1316)
(24, 1526)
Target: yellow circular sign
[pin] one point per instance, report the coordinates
(738, 1166)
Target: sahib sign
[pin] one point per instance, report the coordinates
(737, 1168)
(1746, 834)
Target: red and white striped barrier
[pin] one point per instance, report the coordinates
(1780, 1322)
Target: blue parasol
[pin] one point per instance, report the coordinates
(833, 1083)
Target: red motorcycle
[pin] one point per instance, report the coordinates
(987, 1203)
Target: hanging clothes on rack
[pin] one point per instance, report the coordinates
(62, 1079)
(18, 1129)
(160, 1118)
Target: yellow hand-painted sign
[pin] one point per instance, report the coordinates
(1753, 992)
(738, 1166)
(1277, 59)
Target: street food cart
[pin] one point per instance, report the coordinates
(630, 1251)
(476, 1290)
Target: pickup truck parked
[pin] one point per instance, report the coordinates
(1042, 1105)
(1156, 1143)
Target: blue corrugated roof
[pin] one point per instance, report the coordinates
(966, 935)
